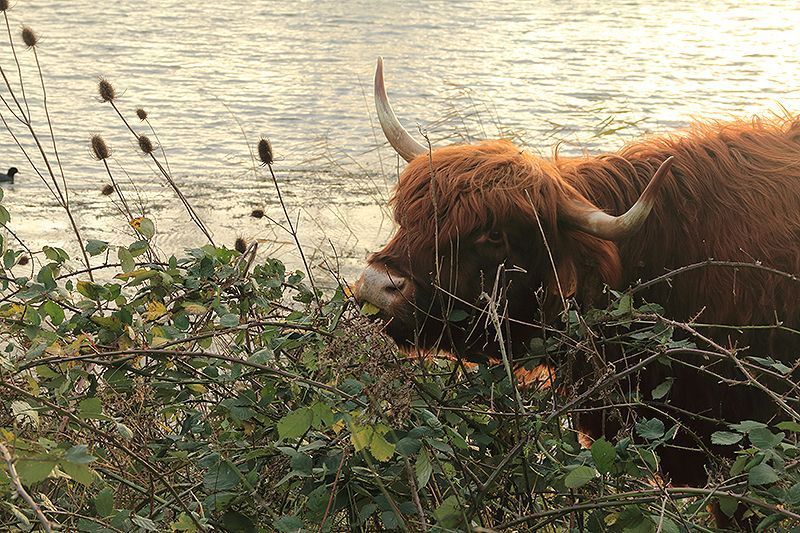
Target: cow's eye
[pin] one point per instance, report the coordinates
(495, 237)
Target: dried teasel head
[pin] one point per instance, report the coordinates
(3, 5)
(145, 144)
(141, 113)
(257, 213)
(265, 151)
(29, 37)
(240, 245)
(100, 149)
(106, 90)
(107, 189)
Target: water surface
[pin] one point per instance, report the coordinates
(214, 76)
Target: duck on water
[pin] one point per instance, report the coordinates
(9, 177)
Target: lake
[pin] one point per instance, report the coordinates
(216, 76)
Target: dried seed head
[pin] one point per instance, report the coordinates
(100, 148)
(265, 151)
(141, 113)
(106, 90)
(257, 213)
(3, 5)
(145, 144)
(23, 259)
(240, 245)
(107, 189)
(29, 37)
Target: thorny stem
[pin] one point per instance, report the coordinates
(15, 481)
(109, 439)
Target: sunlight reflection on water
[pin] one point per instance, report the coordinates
(300, 73)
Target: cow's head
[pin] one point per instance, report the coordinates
(488, 235)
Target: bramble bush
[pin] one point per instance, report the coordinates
(212, 392)
(219, 391)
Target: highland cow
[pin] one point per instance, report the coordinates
(494, 218)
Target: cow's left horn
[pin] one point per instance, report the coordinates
(402, 141)
(600, 224)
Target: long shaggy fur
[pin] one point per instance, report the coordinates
(733, 194)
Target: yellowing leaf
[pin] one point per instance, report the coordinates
(136, 223)
(155, 309)
(197, 387)
(369, 309)
(194, 308)
(12, 310)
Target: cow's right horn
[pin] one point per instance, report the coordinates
(595, 222)
(395, 133)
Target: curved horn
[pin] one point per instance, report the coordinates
(395, 133)
(600, 224)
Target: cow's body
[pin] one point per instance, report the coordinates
(474, 217)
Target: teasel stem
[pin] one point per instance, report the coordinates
(19, 68)
(50, 125)
(158, 141)
(265, 153)
(167, 175)
(55, 190)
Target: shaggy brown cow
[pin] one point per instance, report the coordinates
(473, 219)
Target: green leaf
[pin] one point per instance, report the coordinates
(322, 415)
(95, 247)
(104, 502)
(126, 259)
(762, 474)
(448, 514)
(764, 439)
(147, 228)
(604, 454)
(35, 469)
(794, 427)
(747, 426)
(91, 408)
(380, 448)
(89, 289)
(423, 468)
(579, 476)
(184, 523)
(5, 217)
(725, 438)
(295, 424)
(728, 505)
(54, 311)
(79, 472)
(457, 315)
(222, 476)
(288, 524)
(662, 390)
(650, 429)
(229, 320)
(79, 455)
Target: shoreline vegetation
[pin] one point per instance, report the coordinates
(218, 391)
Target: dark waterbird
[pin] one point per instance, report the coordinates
(9, 177)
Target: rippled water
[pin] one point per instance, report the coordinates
(210, 73)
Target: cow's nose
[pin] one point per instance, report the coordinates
(380, 287)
